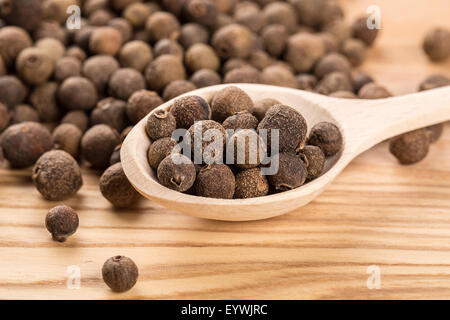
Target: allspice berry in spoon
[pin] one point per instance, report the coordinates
(120, 273)
(116, 188)
(110, 111)
(327, 137)
(105, 40)
(291, 126)
(98, 144)
(314, 159)
(57, 175)
(176, 172)
(160, 149)
(24, 143)
(410, 147)
(291, 172)
(4, 117)
(251, 183)
(208, 139)
(229, 101)
(215, 181)
(437, 44)
(261, 106)
(248, 148)
(241, 120)
(61, 222)
(141, 103)
(124, 82)
(77, 93)
(160, 124)
(34, 65)
(233, 41)
(67, 137)
(373, 91)
(12, 91)
(189, 109)
(163, 70)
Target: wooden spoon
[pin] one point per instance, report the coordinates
(363, 124)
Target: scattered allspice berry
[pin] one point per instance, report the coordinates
(13, 40)
(192, 33)
(24, 143)
(57, 175)
(67, 137)
(274, 37)
(67, 67)
(120, 273)
(245, 74)
(98, 144)
(24, 113)
(332, 82)
(136, 55)
(230, 101)
(314, 159)
(24, 13)
(140, 104)
(12, 91)
(201, 56)
(44, 99)
(168, 46)
(160, 124)
(189, 109)
(162, 25)
(163, 70)
(233, 41)
(373, 91)
(203, 12)
(99, 69)
(251, 183)
(279, 76)
(303, 51)
(160, 149)
(177, 88)
(116, 188)
(437, 44)
(54, 48)
(77, 118)
(110, 111)
(327, 137)
(61, 222)
(105, 40)
(34, 65)
(4, 117)
(124, 82)
(215, 181)
(291, 172)
(77, 93)
(355, 50)
(205, 78)
(410, 147)
(176, 172)
(332, 62)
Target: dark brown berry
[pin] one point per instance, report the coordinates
(303, 51)
(12, 91)
(23, 13)
(57, 175)
(43, 99)
(110, 111)
(176, 172)
(306, 81)
(314, 159)
(205, 78)
(332, 62)
(176, 88)
(204, 135)
(362, 32)
(105, 40)
(162, 25)
(136, 55)
(77, 118)
(230, 101)
(12, 41)
(437, 44)
(327, 137)
(141, 103)
(189, 109)
(67, 137)
(67, 67)
(192, 33)
(275, 38)
(61, 222)
(160, 149)
(24, 143)
(34, 65)
(203, 12)
(241, 120)
(291, 172)
(168, 46)
(215, 181)
(245, 74)
(98, 144)
(233, 41)
(24, 113)
(163, 70)
(373, 91)
(120, 273)
(124, 82)
(116, 188)
(248, 149)
(160, 124)
(335, 81)
(410, 147)
(115, 156)
(251, 183)
(359, 80)
(261, 106)
(77, 93)
(99, 69)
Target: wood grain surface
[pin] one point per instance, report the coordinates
(377, 213)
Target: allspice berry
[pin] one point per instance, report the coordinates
(332, 62)
(26, 14)
(137, 13)
(241, 120)
(120, 273)
(162, 25)
(67, 137)
(306, 81)
(54, 48)
(76, 52)
(251, 183)
(327, 137)
(208, 139)
(410, 147)
(12, 41)
(355, 50)
(274, 37)
(201, 11)
(434, 81)
(373, 91)
(249, 14)
(215, 181)
(279, 76)
(24, 113)
(163, 70)
(314, 159)
(12, 91)
(105, 40)
(115, 156)
(177, 88)
(245, 74)
(110, 111)
(335, 81)
(168, 46)
(248, 148)
(99, 69)
(34, 65)
(67, 67)
(61, 222)
(291, 172)
(229, 101)
(24, 143)
(116, 188)
(261, 106)
(158, 150)
(136, 55)
(141, 103)
(57, 175)
(361, 31)
(343, 95)
(189, 109)
(291, 126)
(281, 13)
(160, 124)
(124, 82)
(437, 44)
(176, 172)
(303, 51)
(192, 33)
(201, 56)
(44, 99)
(98, 144)
(77, 118)
(4, 117)
(205, 78)
(124, 27)
(359, 80)
(77, 93)
(233, 41)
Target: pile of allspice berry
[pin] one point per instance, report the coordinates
(72, 86)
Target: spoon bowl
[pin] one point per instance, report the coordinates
(363, 123)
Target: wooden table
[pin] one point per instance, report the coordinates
(377, 213)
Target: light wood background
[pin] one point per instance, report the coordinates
(376, 213)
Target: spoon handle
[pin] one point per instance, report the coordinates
(369, 122)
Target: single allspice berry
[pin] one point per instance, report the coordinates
(177, 88)
(332, 82)
(54, 48)
(283, 13)
(67, 67)
(230, 101)
(314, 159)
(136, 55)
(77, 118)
(192, 33)
(291, 172)
(116, 188)
(105, 40)
(24, 143)
(248, 148)
(372, 90)
(124, 82)
(176, 172)
(355, 50)
(279, 76)
(215, 181)
(241, 120)
(162, 25)
(233, 41)
(201, 56)
(275, 38)
(160, 124)
(245, 74)
(437, 44)
(13, 40)
(110, 111)
(77, 93)
(67, 137)
(23, 13)
(261, 106)
(189, 109)
(99, 69)
(98, 144)
(208, 138)
(24, 113)
(61, 222)
(163, 70)
(168, 46)
(332, 62)
(34, 65)
(120, 273)
(200, 11)
(57, 175)
(251, 183)
(12, 91)
(205, 78)
(410, 147)
(141, 103)
(44, 99)
(303, 51)
(327, 137)
(360, 30)
(291, 126)
(160, 149)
